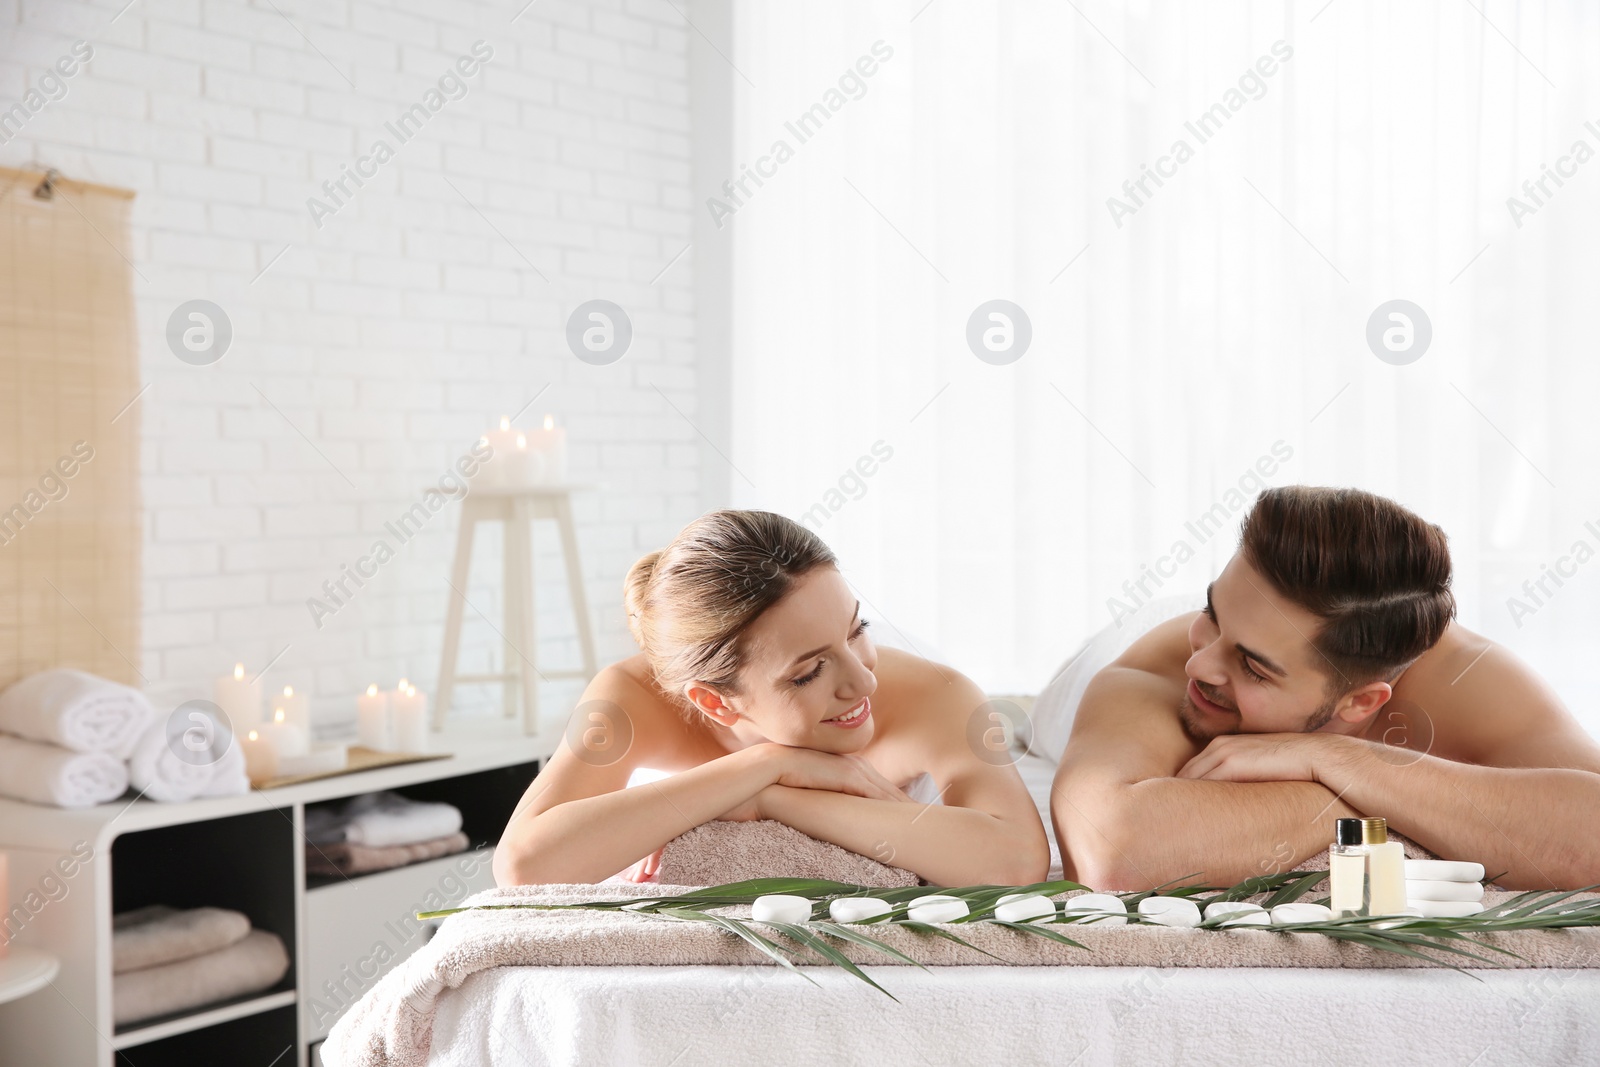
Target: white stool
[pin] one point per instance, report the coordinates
(517, 507)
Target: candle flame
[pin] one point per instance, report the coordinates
(254, 736)
(278, 715)
(505, 423)
(402, 685)
(522, 441)
(288, 690)
(372, 690)
(549, 422)
(238, 672)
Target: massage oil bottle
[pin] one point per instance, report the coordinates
(1386, 869)
(1347, 870)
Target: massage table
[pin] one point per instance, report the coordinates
(678, 1016)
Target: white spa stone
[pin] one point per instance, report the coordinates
(937, 908)
(778, 908)
(1238, 913)
(1433, 889)
(1444, 909)
(1170, 911)
(1111, 910)
(1290, 914)
(857, 909)
(1444, 870)
(1024, 907)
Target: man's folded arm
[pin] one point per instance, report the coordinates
(1124, 822)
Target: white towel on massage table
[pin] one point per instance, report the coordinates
(200, 762)
(59, 777)
(76, 710)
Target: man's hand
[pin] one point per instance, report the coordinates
(1267, 757)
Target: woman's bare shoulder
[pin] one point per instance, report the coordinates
(912, 687)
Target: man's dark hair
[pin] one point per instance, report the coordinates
(1376, 574)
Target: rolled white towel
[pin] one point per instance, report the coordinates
(384, 819)
(1444, 870)
(59, 777)
(76, 710)
(185, 760)
(1420, 889)
(1445, 909)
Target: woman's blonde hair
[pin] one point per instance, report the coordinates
(689, 604)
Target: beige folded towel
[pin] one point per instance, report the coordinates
(341, 857)
(149, 937)
(256, 962)
(720, 852)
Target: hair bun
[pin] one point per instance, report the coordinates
(635, 590)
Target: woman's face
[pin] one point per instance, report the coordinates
(808, 675)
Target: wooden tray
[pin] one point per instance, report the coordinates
(359, 759)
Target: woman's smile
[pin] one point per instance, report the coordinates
(854, 717)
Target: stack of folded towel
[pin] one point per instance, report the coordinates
(70, 739)
(167, 961)
(379, 831)
(65, 737)
(1444, 889)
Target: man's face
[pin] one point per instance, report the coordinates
(1252, 667)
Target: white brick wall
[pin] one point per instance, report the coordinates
(398, 331)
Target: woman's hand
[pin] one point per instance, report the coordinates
(646, 868)
(804, 768)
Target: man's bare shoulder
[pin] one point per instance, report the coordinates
(1485, 705)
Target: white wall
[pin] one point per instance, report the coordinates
(372, 353)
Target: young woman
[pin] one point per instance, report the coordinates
(760, 692)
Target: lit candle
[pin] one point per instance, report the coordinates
(239, 698)
(296, 708)
(260, 758)
(410, 719)
(504, 442)
(547, 454)
(288, 739)
(372, 719)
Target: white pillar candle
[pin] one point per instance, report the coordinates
(288, 739)
(410, 713)
(372, 720)
(503, 442)
(547, 451)
(296, 708)
(260, 758)
(239, 698)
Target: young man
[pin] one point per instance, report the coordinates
(1324, 679)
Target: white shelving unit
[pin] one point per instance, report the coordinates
(242, 852)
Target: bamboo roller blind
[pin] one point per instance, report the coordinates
(69, 432)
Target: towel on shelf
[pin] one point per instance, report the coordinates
(59, 777)
(76, 710)
(342, 857)
(256, 962)
(716, 853)
(213, 768)
(148, 937)
(379, 820)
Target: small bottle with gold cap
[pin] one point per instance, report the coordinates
(1386, 869)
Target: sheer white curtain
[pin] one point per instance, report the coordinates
(1220, 326)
